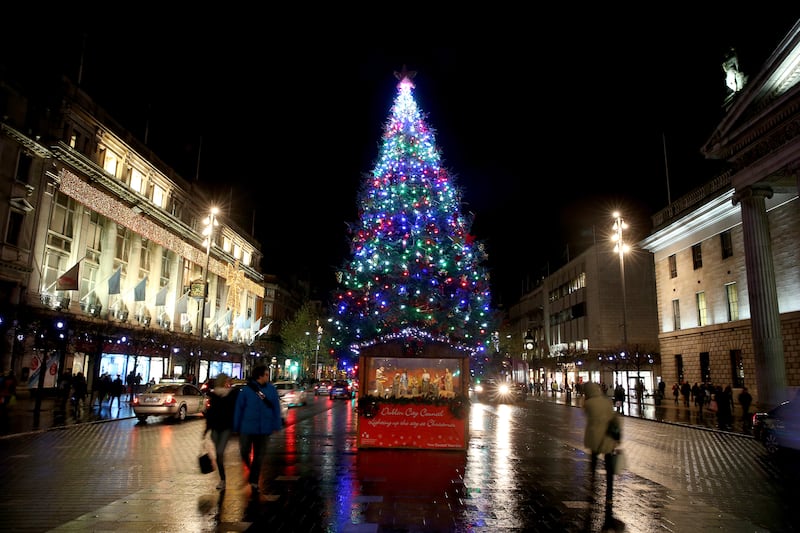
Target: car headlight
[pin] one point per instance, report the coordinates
(478, 388)
(503, 389)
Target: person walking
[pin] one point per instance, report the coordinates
(117, 387)
(79, 389)
(619, 398)
(745, 399)
(596, 437)
(676, 390)
(724, 407)
(686, 391)
(219, 420)
(256, 415)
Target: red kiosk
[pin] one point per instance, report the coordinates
(413, 394)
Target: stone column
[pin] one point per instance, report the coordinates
(765, 320)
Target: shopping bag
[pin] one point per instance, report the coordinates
(619, 461)
(614, 430)
(206, 464)
(204, 460)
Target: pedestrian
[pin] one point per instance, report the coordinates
(619, 398)
(599, 414)
(101, 388)
(8, 399)
(256, 416)
(745, 399)
(662, 389)
(686, 391)
(219, 420)
(79, 391)
(117, 388)
(676, 390)
(724, 407)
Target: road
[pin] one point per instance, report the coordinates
(525, 469)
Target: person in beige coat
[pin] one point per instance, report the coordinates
(599, 413)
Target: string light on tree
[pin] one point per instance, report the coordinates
(414, 266)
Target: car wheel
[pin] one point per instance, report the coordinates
(771, 442)
(181, 413)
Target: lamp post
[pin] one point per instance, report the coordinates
(620, 247)
(528, 344)
(208, 231)
(316, 357)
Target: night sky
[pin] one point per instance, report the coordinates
(547, 127)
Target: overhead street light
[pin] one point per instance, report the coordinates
(209, 223)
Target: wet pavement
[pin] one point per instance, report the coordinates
(524, 469)
(53, 414)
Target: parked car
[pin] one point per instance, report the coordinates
(173, 400)
(340, 389)
(322, 388)
(291, 392)
(496, 391)
(779, 428)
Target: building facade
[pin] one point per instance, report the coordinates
(579, 325)
(726, 255)
(105, 261)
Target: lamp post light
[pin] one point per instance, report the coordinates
(621, 247)
(316, 356)
(208, 231)
(528, 344)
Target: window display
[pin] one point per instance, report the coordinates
(391, 377)
(413, 402)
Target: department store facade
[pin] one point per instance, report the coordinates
(104, 256)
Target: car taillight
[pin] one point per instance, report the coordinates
(170, 400)
(135, 400)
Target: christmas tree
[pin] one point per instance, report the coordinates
(415, 269)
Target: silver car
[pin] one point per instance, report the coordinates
(173, 400)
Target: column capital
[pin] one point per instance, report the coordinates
(762, 190)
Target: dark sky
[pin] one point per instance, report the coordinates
(547, 127)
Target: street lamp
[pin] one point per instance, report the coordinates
(528, 344)
(316, 357)
(208, 232)
(621, 248)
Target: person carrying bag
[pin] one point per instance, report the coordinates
(602, 435)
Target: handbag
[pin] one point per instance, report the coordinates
(619, 461)
(712, 406)
(614, 430)
(204, 460)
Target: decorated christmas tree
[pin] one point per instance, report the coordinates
(415, 271)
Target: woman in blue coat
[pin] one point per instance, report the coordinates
(256, 416)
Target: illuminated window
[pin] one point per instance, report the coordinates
(237, 251)
(227, 244)
(110, 162)
(158, 196)
(137, 179)
(246, 258)
(733, 301)
(702, 318)
(676, 314)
